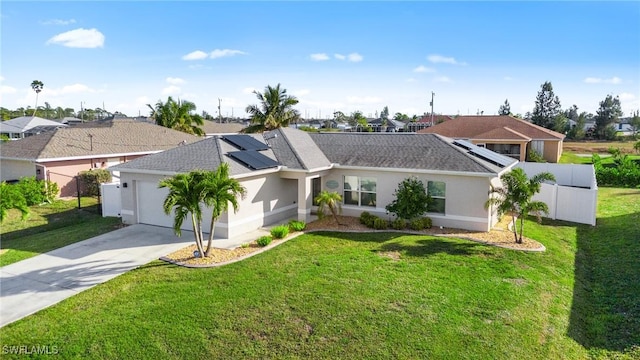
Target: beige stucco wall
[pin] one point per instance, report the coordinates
(16, 169)
(269, 200)
(464, 203)
(552, 151)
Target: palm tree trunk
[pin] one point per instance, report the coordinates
(198, 235)
(35, 110)
(521, 228)
(514, 228)
(209, 243)
(335, 216)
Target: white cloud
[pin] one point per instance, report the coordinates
(423, 69)
(171, 90)
(411, 80)
(319, 57)
(59, 22)
(442, 79)
(218, 53)
(68, 89)
(248, 90)
(1, 78)
(4, 89)
(439, 59)
(595, 80)
(339, 56)
(174, 81)
(355, 57)
(79, 38)
(363, 99)
(626, 97)
(195, 55)
(508, 78)
(301, 92)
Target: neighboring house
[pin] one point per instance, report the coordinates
(389, 125)
(61, 154)
(25, 126)
(427, 121)
(212, 128)
(289, 167)
(503, 134)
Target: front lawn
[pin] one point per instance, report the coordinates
(51, 226)
(381, 295)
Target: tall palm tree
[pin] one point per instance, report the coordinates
(275, 110)
(515, 197)
(184, 198)
(331, 200)
(220, 191)
(177, 115)
(37, 86)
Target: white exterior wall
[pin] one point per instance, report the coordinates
(464, 201)
(16, 169)
(111, 199)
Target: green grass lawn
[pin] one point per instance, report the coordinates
(51, 226)
(573, 158)
(378, 296)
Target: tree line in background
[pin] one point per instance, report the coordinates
(275, 109)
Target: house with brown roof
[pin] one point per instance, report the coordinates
(59, 155)
(504, 135)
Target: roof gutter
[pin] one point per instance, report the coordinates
(82, 157)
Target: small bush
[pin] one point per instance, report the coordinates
(380, 224)
(280, 231)
(365, 217)
(399, 224)
(297, 225)
(264, 240)
(426, 222)
(245, 245)
(92, 180)
(32, 190)
(417, 224)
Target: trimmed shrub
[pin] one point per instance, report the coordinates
(264, 240)
(365, 218)
(426, 222)
(416, 224)
(92, 180)
(380, 224)
(297, 225)
(399, 224)
(280, 231)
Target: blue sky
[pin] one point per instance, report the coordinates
(332, 56)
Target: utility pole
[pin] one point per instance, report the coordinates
(81, 112)
(432, 94)
(219, 112)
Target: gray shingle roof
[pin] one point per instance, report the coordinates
(295, 149)
(25, 123)
(206, 154)
(116, 137)
(212, 127)
(399, 150)
(301, 150)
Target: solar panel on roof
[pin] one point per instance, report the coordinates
(245, 142)
(253, 159)
(484, 153)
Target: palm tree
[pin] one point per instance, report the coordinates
(37, 86)
(515, 197)
(177, 115)
(220, 191)
(331, 200)
(184, 198)
(275, 110)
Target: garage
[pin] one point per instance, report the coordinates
(150, 199)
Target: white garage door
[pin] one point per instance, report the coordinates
(150, 200)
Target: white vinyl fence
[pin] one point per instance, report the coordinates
(575, 195)
(111, 200)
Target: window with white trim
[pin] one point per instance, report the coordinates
(359, 191)
(438, 192)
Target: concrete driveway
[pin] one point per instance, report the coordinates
(41, 281)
